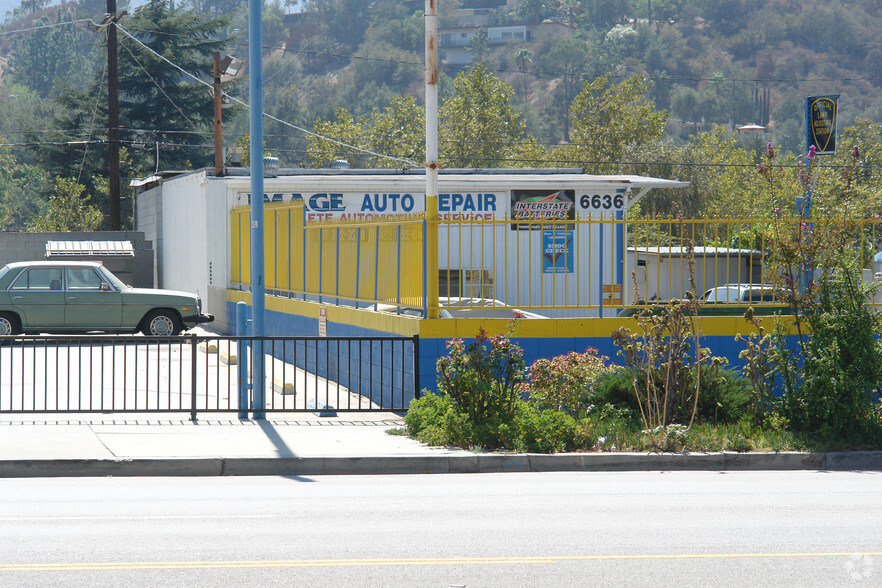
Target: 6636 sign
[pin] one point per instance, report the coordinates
(601, 201)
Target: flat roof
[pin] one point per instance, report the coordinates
(96, 248)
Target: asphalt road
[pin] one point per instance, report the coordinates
(548, 529)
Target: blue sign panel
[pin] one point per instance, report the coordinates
(557, 252)
(820, 123)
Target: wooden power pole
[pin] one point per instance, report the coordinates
(112, 119)
(218, 140)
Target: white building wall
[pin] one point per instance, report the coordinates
(194, 251)
(185, 234)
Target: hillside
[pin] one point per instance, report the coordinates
(727, 62)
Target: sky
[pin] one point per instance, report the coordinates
(7, 6)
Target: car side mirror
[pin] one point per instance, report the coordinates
(105, 287)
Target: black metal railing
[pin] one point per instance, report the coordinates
(206, 374)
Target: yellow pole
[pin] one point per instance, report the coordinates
(431, 269)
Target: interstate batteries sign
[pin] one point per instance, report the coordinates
(535, 210)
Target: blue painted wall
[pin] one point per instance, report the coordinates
(375, 370)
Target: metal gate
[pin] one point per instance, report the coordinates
(206, 374)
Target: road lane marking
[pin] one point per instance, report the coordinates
(134, 518)
(452, 561)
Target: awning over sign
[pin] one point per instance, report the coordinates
(96, 248)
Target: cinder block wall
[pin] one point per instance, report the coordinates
(136, 271)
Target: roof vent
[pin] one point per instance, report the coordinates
(271, 167)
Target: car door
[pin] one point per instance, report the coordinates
(91, 303)
(38, 297)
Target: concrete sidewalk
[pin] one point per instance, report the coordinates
(306, 444)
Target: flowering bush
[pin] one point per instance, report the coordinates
(483, 378)
(480, 406)
(566, 382)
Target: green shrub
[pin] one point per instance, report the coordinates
(550, 431)
(663, 358)
(617, 389)
(435, 420)
(724, 396)
(842, 369)
(484, 377)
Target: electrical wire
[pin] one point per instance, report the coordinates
(364, 58)
(49, 26)
(92, 123)
(267, 115)
(158, 87)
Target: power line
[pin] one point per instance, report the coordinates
(539, 72)
(52, 25)
(271, 117)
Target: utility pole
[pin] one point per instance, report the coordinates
(218, 138)
(112, 119)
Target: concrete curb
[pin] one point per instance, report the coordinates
(460, 464)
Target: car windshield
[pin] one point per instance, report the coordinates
(117, 283)
(3, 271)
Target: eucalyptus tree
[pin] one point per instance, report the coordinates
(56, 48)
(608, 120)
(479, 126)
(567, 60)
(397, 132)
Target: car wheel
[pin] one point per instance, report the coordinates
(161, 323)
(9, 325)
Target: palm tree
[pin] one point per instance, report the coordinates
(536, 7)
(524, 57)
(571, 8)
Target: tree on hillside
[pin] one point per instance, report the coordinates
(19, 184)
(478, 125)
(52, 52)
(155, 96)
(607, 120)
(570, 9)
(344, 21)
(166, 118)
(523, 57)
(479, 45)
(567, 59)
(398, 131)
(533, 8)
(68, 210)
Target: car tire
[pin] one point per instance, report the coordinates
(9, 324)
(161, 323)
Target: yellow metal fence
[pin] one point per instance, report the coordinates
(581, 267)
(349, 262)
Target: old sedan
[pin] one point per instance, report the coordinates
(83, 296)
